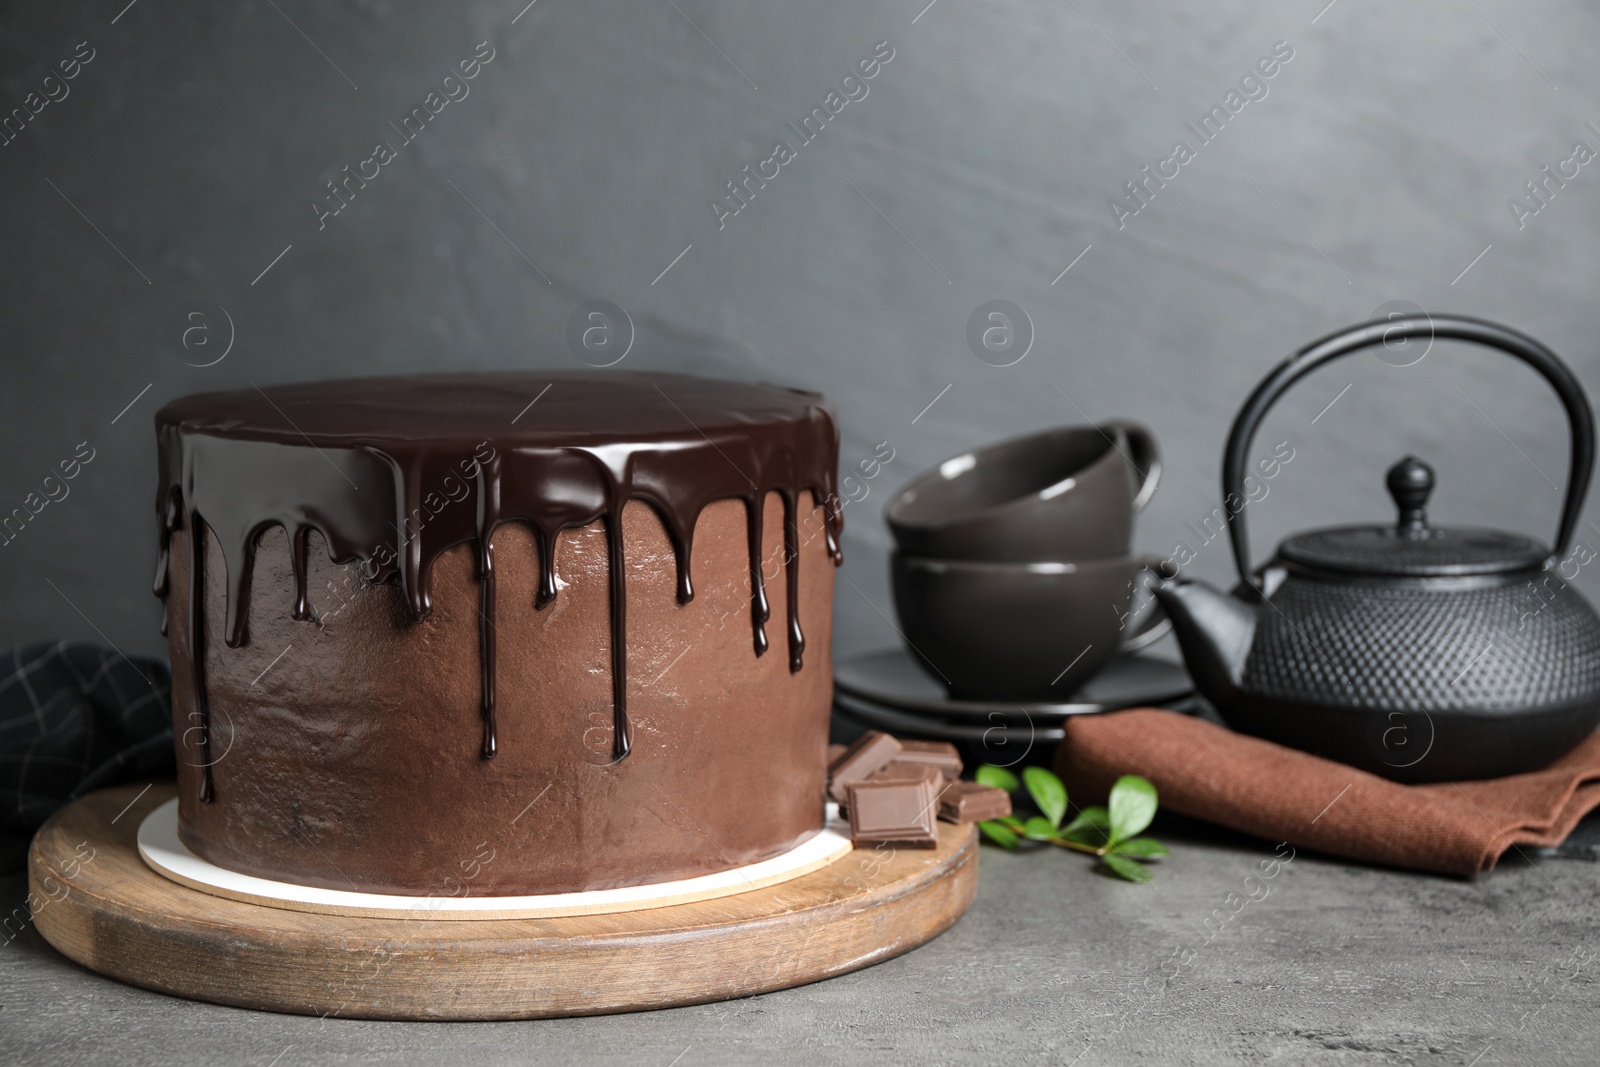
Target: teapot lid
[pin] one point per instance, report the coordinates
(1412, 548)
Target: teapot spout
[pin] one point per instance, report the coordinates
(1214, 631)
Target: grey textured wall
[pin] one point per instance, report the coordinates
(188, 153)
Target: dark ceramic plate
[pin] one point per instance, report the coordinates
(1004, 730)
(891, 683)
(998, 740)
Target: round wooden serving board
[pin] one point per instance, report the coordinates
(99, 904)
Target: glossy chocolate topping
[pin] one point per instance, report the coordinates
(392, 472)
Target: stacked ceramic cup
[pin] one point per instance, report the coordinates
(1014, 578)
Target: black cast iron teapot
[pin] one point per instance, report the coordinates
(1415, 652)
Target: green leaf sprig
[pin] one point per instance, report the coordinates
(1110, 833)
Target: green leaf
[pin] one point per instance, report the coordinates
(1000, 835)
(999, 777)
(1010, 822)
(1047, 792)
(1133, 806)
(1095, 817)
(1087, 835)
(1091, 826)
(1125, 868)
(1142, 848)
(1039, 828)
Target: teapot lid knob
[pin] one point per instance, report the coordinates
(1410, 482)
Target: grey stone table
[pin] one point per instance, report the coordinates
(1054, 964)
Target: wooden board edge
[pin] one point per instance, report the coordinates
(372, 977)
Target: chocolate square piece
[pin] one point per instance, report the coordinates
(899, 813)
(940, 754)
(964, 802)
(872, 751)
(899, 770)
(834, 752)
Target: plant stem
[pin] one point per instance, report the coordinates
(1076, 847)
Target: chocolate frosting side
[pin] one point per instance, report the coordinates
(392, 472)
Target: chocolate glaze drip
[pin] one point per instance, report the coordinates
(791, 555)
(382, 469)
(760, 610)
(197, 646)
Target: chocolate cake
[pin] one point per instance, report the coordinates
(499, 633)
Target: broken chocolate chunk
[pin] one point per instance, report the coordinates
(898, 813)
(871, 752)
(964, 802)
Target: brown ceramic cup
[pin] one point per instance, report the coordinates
(1023, 631)
(1064, 494)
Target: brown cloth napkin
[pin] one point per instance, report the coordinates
(1281, 794)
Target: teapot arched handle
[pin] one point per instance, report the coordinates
(1580, 417)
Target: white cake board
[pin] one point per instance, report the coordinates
(164, 852)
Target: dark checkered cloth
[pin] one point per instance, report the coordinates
(75, 717)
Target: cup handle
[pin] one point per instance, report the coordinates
(1151, 624)
(1145, 456)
